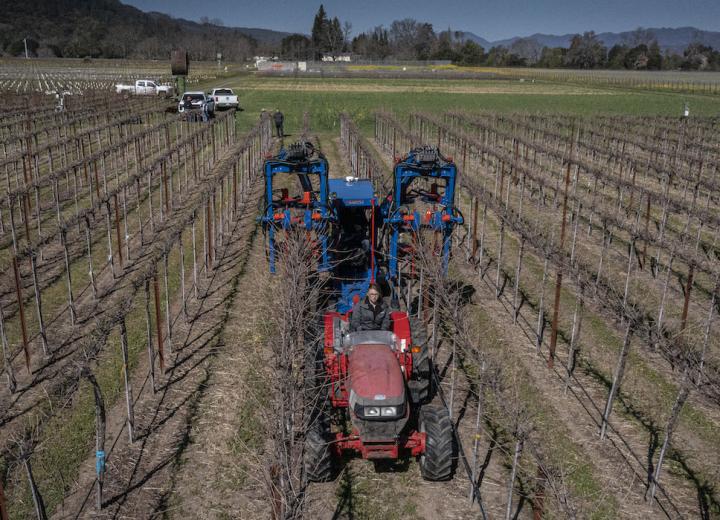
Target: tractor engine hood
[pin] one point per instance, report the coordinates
(377, 392)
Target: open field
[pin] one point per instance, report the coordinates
(327, 98)
(138, 319)
(77, 75)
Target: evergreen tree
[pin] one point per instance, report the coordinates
(586, 52)
(320, 32)
(470, 53)
(654, 56)
(335, 36)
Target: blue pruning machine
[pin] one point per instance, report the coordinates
(310, 211)
(343, 217)
(436, 191)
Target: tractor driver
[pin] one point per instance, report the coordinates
(370, 313)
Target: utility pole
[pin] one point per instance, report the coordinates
(27, 56)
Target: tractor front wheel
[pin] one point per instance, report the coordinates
(317, 459)
(438, 461)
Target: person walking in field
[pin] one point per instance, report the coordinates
(371, 313)
(206, 112)
(279, 118)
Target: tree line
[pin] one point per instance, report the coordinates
(109, 29)
(409, 39)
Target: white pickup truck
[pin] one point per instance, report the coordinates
(224, 98)
(145, 87)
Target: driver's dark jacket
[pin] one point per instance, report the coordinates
(366, 317)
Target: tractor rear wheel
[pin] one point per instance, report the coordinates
(317, 458)
(438, 461)
(420, 383)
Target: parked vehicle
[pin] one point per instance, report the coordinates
(224, 98)
(196, 103)
(145, 87)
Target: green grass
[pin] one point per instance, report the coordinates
(326, 101)
(558, 446)
(251, 432)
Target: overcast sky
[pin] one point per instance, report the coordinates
(492, 20)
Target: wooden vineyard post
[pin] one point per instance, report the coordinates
(574, 336)
(511, 485)
(26, 216)
(138, 212)
(150, 203)
(163, 169)
(88, 240)
(235, 173)
(220, 230)
(607, 237)
(516, 289)
(518, 270)
(37, 497)
(686, 302)
(647, 231)
(168, 317)
(117, 231)
(68, 275)
(540, 329)
(194, 258)
(617, 379)
(158, 322)
(7, 362)
(558, 281)
(38, 303)
(217, 228)
(150, 349)
(499, 271)
(182, 274)
(129, 403)
(474, 245)
(205, 228)
(108, 228)
(628, 275)
(682, 396)
(661, 310)
(11, 210)
(476, 440)
(21, 312)
(482, 241)
(125, 224)
(99, 436)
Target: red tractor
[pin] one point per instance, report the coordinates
(381, 381)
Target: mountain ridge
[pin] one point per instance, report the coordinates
(109, 28)
(673, 39)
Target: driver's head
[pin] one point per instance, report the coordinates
(373, 293)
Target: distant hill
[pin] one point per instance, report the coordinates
(669, 39)
(485, 44)
(109, 28)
